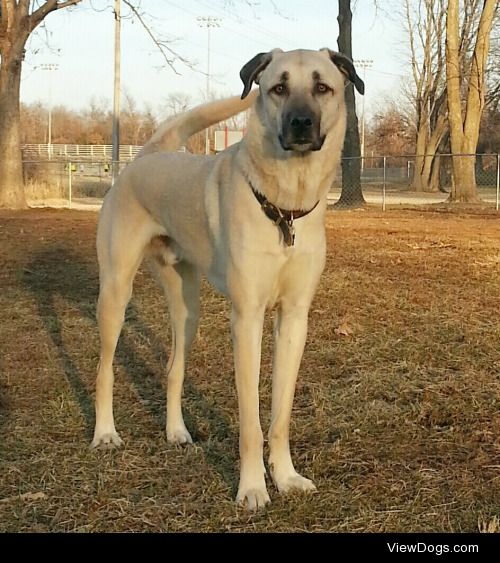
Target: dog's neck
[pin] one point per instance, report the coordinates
(287, 179)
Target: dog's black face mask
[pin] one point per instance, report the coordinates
(300, 128)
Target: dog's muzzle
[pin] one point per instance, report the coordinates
(300, 132)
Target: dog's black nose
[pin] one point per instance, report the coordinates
(300, 130)
(301, 123)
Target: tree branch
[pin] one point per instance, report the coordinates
(417, 77)
(476, 94)
(162, 46)
(50, 6)
(3, 18)
(66, 4)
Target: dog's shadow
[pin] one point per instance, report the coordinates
(62, 274)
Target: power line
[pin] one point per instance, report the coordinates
(226, 28)
(386, 73)
(239, 19)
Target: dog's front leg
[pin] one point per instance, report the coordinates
(246, 324)
(290, 337)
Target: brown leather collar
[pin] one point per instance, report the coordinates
(282, 218)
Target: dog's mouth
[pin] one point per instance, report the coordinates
(301, 144)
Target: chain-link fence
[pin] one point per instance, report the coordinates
(71, 181)
(379, 181)
(385, 181)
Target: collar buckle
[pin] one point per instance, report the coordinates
(282, 218)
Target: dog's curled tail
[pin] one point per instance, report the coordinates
(175, 132)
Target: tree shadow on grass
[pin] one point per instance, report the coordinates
(60, 273)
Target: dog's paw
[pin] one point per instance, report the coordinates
(108, 440)
(179, 436)
(253, 498)
(293, 483)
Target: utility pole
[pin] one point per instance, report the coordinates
(364, 64)
(115, 164)
(50, 67)
(208, 22)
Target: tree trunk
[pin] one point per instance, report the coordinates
(352, 194)
(426, 178)
(464, 188)
(11, 173)
(435, 179)
(17, 20)
(419, 182)
(426, 175)
(464, 129)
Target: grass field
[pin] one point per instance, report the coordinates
(397, 410)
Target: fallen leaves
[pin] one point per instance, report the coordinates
(344, 329)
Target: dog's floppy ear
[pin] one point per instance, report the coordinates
(346, 67)
(250, 72)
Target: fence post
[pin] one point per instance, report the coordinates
(70, 187)
(383, 186)
(498, 182)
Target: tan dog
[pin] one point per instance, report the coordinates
(250, 219)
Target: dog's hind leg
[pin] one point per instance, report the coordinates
(181, 284)
(120, 246)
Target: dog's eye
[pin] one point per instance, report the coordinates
(322, 88)
(279, 89)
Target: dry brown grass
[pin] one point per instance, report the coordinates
(396, 419)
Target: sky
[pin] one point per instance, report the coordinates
(80, 41)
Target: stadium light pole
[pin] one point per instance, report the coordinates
(208, 22)
(116, 98)
(50, 67)
(364, 64)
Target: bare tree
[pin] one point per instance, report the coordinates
(99, 122)
(170, 56)
(149, 124)
(91, 125)
(132, 122)
(492, 100)
(390, 132)
(176, 103)
(33, 124)
(465, 122)
(425, 23)
(352, 194)
(489, 134)
(18, 19)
